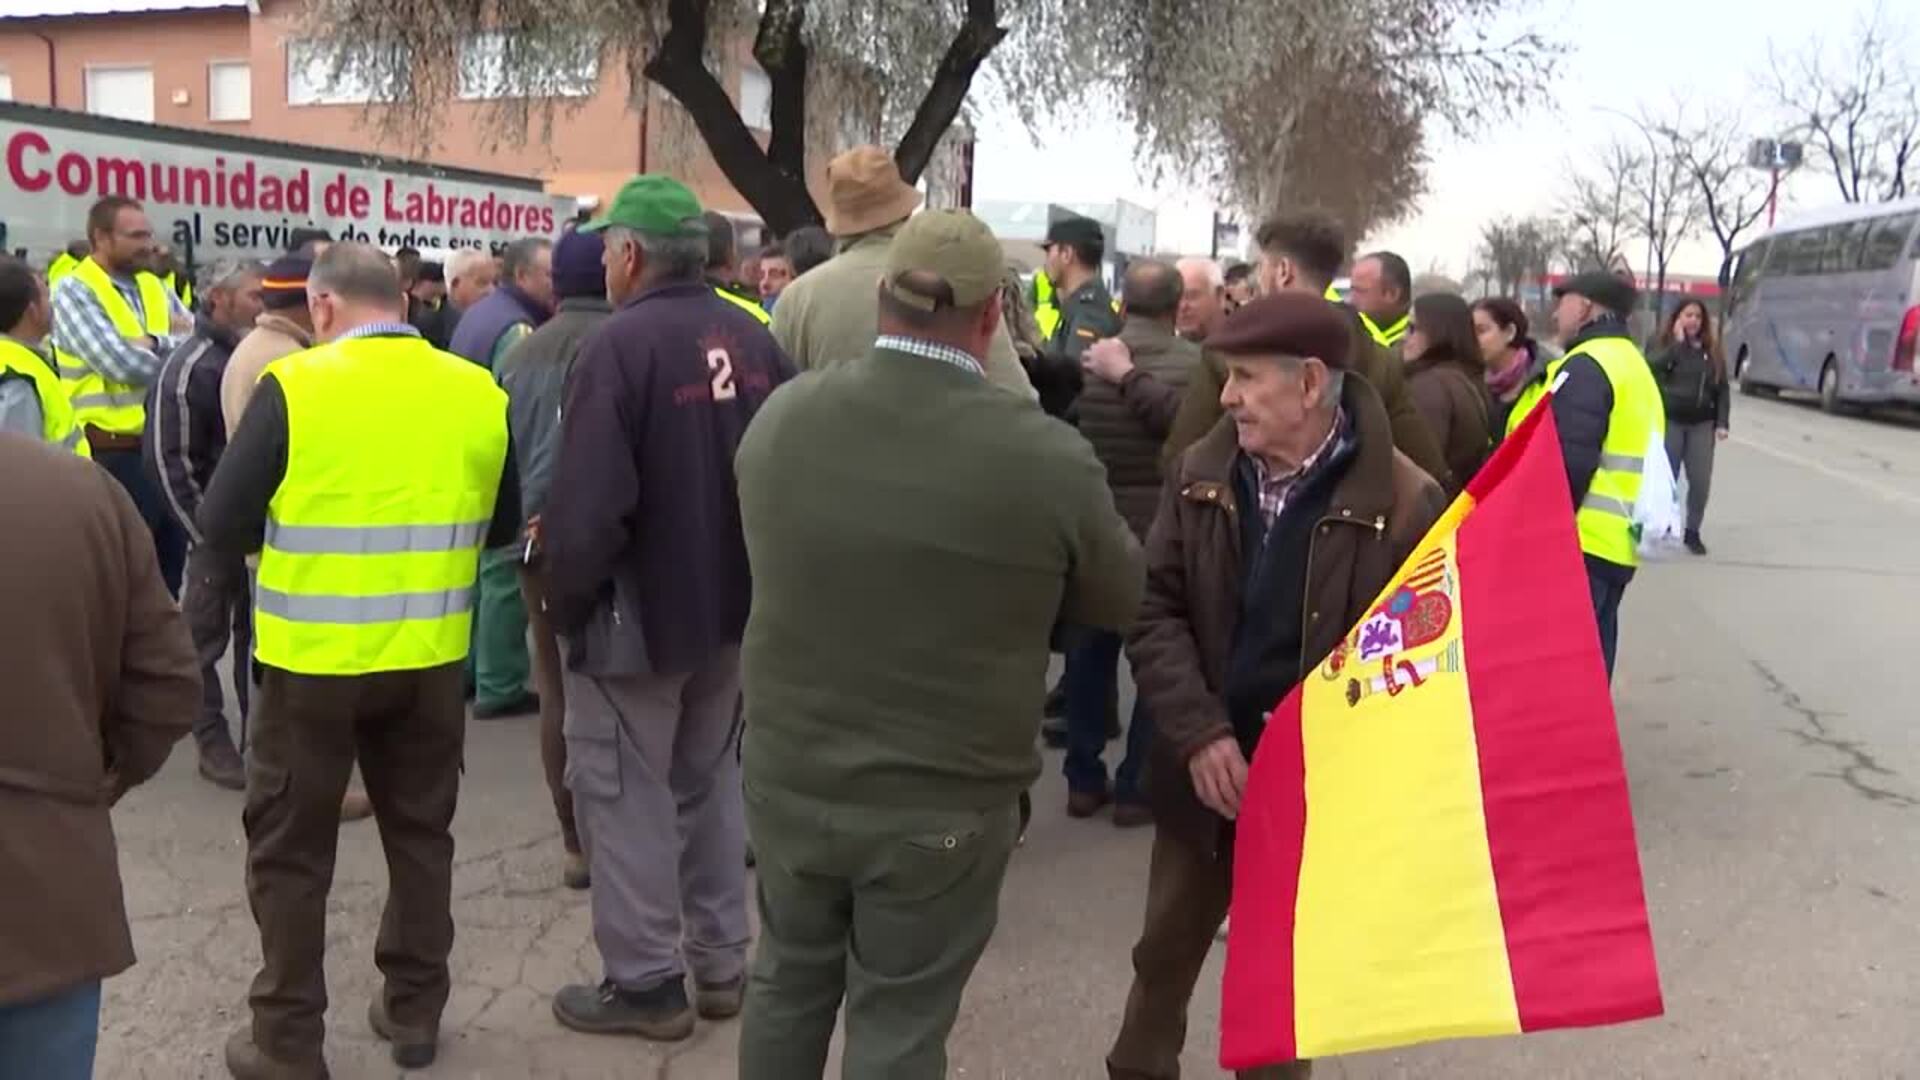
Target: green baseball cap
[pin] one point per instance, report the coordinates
(949, 248)
(653, 204)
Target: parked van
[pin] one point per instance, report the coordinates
(1830, 302)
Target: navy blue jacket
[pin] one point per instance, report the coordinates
(481, 325)
(185, 433)
(642, 518)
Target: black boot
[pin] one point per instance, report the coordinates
(1693, 542)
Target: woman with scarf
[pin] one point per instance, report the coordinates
(1512, 358)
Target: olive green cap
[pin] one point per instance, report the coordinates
(950, 247)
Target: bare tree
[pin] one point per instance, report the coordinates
(1732, 195)
(1856, 106)
(1513, 252)
(1599, 213)
(902, 70)
(1669, 206)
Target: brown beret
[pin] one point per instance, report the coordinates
(1289, 324)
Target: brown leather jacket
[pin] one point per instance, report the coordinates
(1183, 637)
(101, 682)
(1452, 397)
(1200, 409)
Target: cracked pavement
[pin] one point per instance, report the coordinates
(1766, 713)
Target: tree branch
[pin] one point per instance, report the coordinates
(680, 68)
(783, 55)
(972, 44)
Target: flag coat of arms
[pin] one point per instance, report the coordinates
(1436, 840)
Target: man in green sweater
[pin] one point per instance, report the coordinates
(914, 533)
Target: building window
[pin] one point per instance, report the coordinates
(229, 90)
(563, 65)
(122, 92)
(6, 85)
(320, 74)
(756, 97)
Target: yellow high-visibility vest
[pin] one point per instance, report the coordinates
(1046, 313)
(183, 290)
(1605, 516)
(1388, 336)
(373, 537)
(744, 304)
(62, 265)
(114, 407)
(56, 415)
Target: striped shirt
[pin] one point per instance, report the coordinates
(1274, 490)
(932, 350)
(83, 329)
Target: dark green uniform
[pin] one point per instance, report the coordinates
(1085, 317)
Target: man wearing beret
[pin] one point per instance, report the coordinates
(903, 591)
(1274, 532)
(1608, 410)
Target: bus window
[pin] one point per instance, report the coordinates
(1888, 240)
(1747, 271)
(1842, 254)
(1802, 252)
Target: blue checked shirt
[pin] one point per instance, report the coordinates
(380, 329)
(932, 350)
(82, 328)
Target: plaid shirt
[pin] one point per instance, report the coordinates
(82, 329)
(932, 350)
(381, 329)
(1272, 491)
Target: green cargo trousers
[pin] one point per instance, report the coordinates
(889, 911)
(499, 666)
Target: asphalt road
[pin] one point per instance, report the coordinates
(1763, 698)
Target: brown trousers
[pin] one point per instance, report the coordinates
(553, 702)
(408, 731)
(1187, 894)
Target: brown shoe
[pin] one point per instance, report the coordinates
(1085, 804)
(720, 1001)
(413, 1048)
(221, 766)
(355, 806)
(246, 1061)
(1132, 815)
(575, 875)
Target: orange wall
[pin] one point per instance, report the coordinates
(177, 46)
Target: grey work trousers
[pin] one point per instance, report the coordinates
(1690, 446)
(655, 776)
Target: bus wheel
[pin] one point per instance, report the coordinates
(1830, 388)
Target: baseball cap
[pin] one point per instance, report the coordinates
(285, 283)
(653, 204)
(950, 250)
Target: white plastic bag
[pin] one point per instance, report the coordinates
(1658, 516)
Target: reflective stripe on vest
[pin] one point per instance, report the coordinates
(373, 544)
(114, 407)
(56, 413)
(744, 304)
(1388, 337)
(1605, 516)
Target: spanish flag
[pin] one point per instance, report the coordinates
(1436, 840)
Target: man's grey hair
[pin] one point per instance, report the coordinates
(1336, 379)
(669, 258)
(231, 273)
(466, 262)
(356, 272)
(1216, 277)
(520, 254)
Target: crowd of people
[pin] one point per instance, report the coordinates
(782, 561)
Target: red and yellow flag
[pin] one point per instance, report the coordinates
(1436, 840)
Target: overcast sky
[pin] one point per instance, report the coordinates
(1624, 54)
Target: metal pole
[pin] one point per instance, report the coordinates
(1773, 195)
(1215, 242)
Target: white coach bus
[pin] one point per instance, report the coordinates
(1830, 302)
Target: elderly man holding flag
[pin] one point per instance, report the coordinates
(1284, 523)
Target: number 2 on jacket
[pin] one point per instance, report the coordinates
(721, 365)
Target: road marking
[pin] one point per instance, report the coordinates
(1871, 487)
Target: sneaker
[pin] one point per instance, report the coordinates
(355, 806)
(574, 875)
(221, 766)
(527, 702)
(246, 1061)
(413, 1048)
(660, 1013)
(1085, 804)
(1693, 543)
(721, 1001)
(1131, 814)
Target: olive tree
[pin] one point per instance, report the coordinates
(1193, 76)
